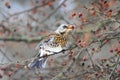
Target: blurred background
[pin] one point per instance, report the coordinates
(24, 23)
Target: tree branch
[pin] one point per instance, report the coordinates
(24, 39)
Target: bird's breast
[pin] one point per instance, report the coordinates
(60, 39)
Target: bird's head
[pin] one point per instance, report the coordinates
(64, 28)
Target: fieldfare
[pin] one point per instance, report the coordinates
(55, 43)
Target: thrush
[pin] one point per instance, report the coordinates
(55, 43)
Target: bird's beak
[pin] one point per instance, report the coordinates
(70, 27)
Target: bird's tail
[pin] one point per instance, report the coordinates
(37, 63)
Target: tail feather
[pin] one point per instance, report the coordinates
(37, 63)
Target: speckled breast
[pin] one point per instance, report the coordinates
(60, 39)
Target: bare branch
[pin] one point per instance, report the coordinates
(24, 39)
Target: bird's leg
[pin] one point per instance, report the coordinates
(63, 51)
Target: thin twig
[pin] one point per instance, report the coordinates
(28, 10)
(112, 72)
(53, 12)
(5, 55)
(90, 58)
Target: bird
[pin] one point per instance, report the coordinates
(55, 43)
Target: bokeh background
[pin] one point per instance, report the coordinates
(24, 23)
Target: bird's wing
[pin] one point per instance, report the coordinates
(45, 40)
(42, 43)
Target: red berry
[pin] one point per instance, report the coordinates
(118, 71)
(104, 28)
(73, 14)
(71, 52)
(70, 56)
(37, 1)
(116, 49)
(64, 5)
(10, 73)
(93, 49)
(118, 52)
(96, 74)
(111, 50)
(1, 76)
(104, 60)
(84, 58)
(79, 41)
(73, 59)
(17, 65)
(51, 60)
(106, 41)
(79, 14)
(46, 55)
(64, 64)
(50, 3)
(105, 2)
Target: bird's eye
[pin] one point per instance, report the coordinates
(64, 26)
(62, 33)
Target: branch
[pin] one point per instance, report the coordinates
(24, 39)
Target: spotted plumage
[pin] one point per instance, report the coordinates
(61, 39)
